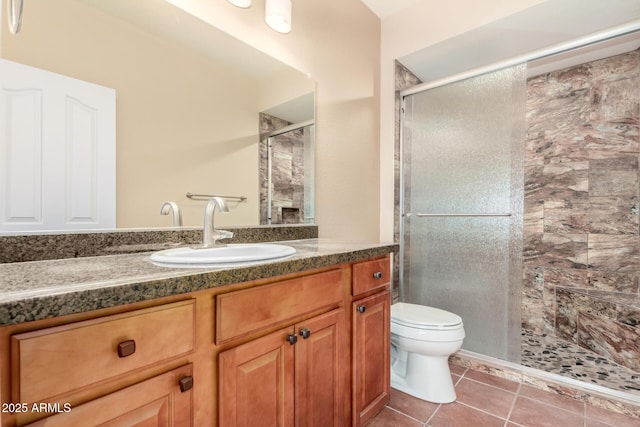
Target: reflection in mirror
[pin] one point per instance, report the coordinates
(287, 135)
(188, 100)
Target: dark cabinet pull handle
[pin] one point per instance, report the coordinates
(377, 275)
(305, 333)
(186, 383)
(126, 348)
(292, 339)
(361, 308)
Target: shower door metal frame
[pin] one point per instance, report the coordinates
(590, 39)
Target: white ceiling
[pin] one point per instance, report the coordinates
(384, 8)
(544, 25)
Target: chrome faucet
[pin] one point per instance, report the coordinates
(175, 211)
(211, 236)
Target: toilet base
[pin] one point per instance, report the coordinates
(425, 377)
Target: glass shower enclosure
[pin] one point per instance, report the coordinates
(461, 205)
(290, 175)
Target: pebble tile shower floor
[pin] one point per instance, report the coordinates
(486, 400)
(570, 360)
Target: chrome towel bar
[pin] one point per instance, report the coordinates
(193, 196)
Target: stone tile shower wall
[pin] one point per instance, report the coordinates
(581, 234)
(287, 174)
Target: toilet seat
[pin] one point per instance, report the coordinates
(423, 317)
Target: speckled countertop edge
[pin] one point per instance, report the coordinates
(37, 290)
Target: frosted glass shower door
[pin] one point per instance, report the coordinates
(463, 145)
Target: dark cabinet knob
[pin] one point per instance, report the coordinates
(126, 348)
(377, 275)
(361, 308)
(292, 339)
(186, 383)
(305, 333)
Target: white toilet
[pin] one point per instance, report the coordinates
(422, 339)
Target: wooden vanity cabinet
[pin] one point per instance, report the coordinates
(283, 351)
(296, 375)
(123, 369)
(291, 377)
(370, 339)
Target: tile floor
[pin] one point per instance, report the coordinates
(486, 400)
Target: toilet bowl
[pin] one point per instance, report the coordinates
(422, 339)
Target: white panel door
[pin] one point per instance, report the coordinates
(57, 151)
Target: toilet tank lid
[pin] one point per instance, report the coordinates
(422, 315)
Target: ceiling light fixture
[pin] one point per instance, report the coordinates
(14, 15)
(278, 15)
(241, 3)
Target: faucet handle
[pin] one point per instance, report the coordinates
(174, 209)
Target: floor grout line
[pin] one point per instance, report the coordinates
(584, 414)
(433, 414)
(557, 407)
(481, 410)
(403, 413)
(513, 404)
(491, 385)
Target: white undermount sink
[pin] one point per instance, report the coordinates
(221, 256)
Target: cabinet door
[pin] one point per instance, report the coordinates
(371, 370)
(321, 370)
(156, 402)
(256, 382)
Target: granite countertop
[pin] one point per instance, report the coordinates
(41, 289)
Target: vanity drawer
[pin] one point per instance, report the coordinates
(370, 275)
(58, 360)
(246, 311)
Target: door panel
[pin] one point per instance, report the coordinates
(55, 129)
(371, 347)
(256, 382)
(321, 367)
(463, 148)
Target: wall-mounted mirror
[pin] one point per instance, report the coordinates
(189, 100)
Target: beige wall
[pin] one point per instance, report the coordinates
(338, 43)
(420, 26)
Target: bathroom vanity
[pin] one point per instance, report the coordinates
(118, 340)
